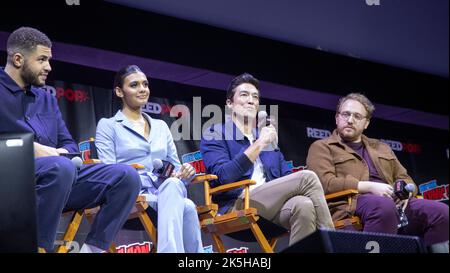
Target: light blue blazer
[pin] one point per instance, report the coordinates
(117, 142)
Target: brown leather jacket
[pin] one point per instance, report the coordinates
(340, 168)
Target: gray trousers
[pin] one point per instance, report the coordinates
(295, 201)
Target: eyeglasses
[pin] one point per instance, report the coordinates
(346, 116)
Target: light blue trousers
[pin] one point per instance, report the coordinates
(178, 224)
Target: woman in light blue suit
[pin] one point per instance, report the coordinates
(132, 136)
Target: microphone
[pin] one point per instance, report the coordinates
(400, 189)
(162, 168)
(77, 161)
(262, 122)
(74, 157)
(408, 190)
(70, 155)
(157, 164)
(262, 117)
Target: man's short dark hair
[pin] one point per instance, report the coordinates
(243, 78)
(24, 40)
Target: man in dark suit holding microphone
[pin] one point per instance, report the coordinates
(237, 150)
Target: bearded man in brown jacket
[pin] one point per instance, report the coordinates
(350, 160)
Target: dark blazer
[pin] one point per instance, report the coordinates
(36, 111)
(222, 147)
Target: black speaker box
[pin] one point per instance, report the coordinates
(18, 231)
(333, 241)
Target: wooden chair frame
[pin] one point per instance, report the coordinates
(233, 221)
(354, 221)
(139, 212)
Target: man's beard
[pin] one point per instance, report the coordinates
(347, 137)
(29, 77)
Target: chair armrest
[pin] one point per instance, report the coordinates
(232, 186)
(141, 198)
(203, 178)
(340, 194)
(92, 161)
(137, 166)
(207, 208)
(207, 212)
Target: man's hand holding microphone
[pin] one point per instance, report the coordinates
(268, 136)
(376, 188)
(267, 139)
(43, 151)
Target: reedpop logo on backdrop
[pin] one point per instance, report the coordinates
(412, 148)
(69, 94)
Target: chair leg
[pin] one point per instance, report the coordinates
(218, 242)
(112, 248)
(261, 238)
(273, 242)
(90, 218)
(71, 231)
(149, 228)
